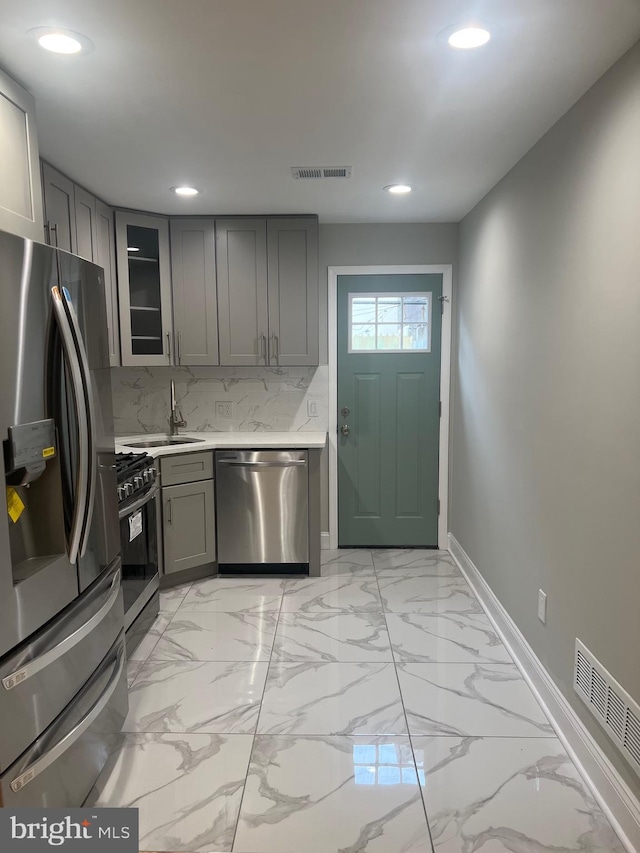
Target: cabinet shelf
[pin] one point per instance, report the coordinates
(143, 260)
(143, 308)
(146, 337)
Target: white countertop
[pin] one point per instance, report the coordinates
(216, 440)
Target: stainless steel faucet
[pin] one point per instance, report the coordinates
(175, 419)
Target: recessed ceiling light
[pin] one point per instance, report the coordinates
(469, 37)
(133, 249)
(185, 190)
(398, 189)
(61, 41)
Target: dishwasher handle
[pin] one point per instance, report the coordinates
(243, 464)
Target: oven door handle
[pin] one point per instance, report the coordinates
(128, 510)
(53, 654)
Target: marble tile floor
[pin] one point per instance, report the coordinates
(372, 709)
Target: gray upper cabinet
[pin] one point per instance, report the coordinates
(292, 253)
(59, 209)
(241, 254)
(86, 224)
(144, 289)
(79, 222)
(20, 193)
(106, 258)
(195, 308)
(268, 291)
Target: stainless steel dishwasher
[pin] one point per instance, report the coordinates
(262, 507)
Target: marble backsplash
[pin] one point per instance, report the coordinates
(262, 398)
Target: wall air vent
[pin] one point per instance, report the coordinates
(609, 703)
(321, 172)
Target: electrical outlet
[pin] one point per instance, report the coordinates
(224, 409)
(312, 409)
(542, 606)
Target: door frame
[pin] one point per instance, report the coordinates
(446, 270)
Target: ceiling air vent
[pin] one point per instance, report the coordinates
(321, 171)
(609, 703)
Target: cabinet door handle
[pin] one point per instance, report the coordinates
(170, 512)
(277, 341)
(54, 230)
(169, 347)
(47, 233)
(263, 339)
(179, 348)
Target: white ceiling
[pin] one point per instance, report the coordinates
(229, 94)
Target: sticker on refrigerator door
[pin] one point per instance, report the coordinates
(135, 525)
(15, 507)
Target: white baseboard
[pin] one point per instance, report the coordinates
(325, 541)
(608, 787)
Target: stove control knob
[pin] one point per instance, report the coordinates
(147, 475)
(154, 471)
(138, 482)
(128, 487)
(122, 493)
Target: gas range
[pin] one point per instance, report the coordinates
(139, 514)
(135, 474)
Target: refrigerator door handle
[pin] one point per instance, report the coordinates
(82, 480)
(46, 760)
(91, 417)
(53, 654)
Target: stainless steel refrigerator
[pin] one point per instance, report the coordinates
(63, 695)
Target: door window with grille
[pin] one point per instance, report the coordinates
(390, 322)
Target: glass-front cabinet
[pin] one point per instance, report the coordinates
(144, 289)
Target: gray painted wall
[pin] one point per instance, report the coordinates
(546, 429)
(377, 244)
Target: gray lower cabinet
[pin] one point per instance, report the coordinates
(187, 468)
(21, 198)
(188, 525)
(193, 278)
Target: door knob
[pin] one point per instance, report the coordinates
(345, 429)
(345, 412)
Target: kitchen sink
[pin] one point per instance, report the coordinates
(169, 441)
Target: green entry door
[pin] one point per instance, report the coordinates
(389, 333)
